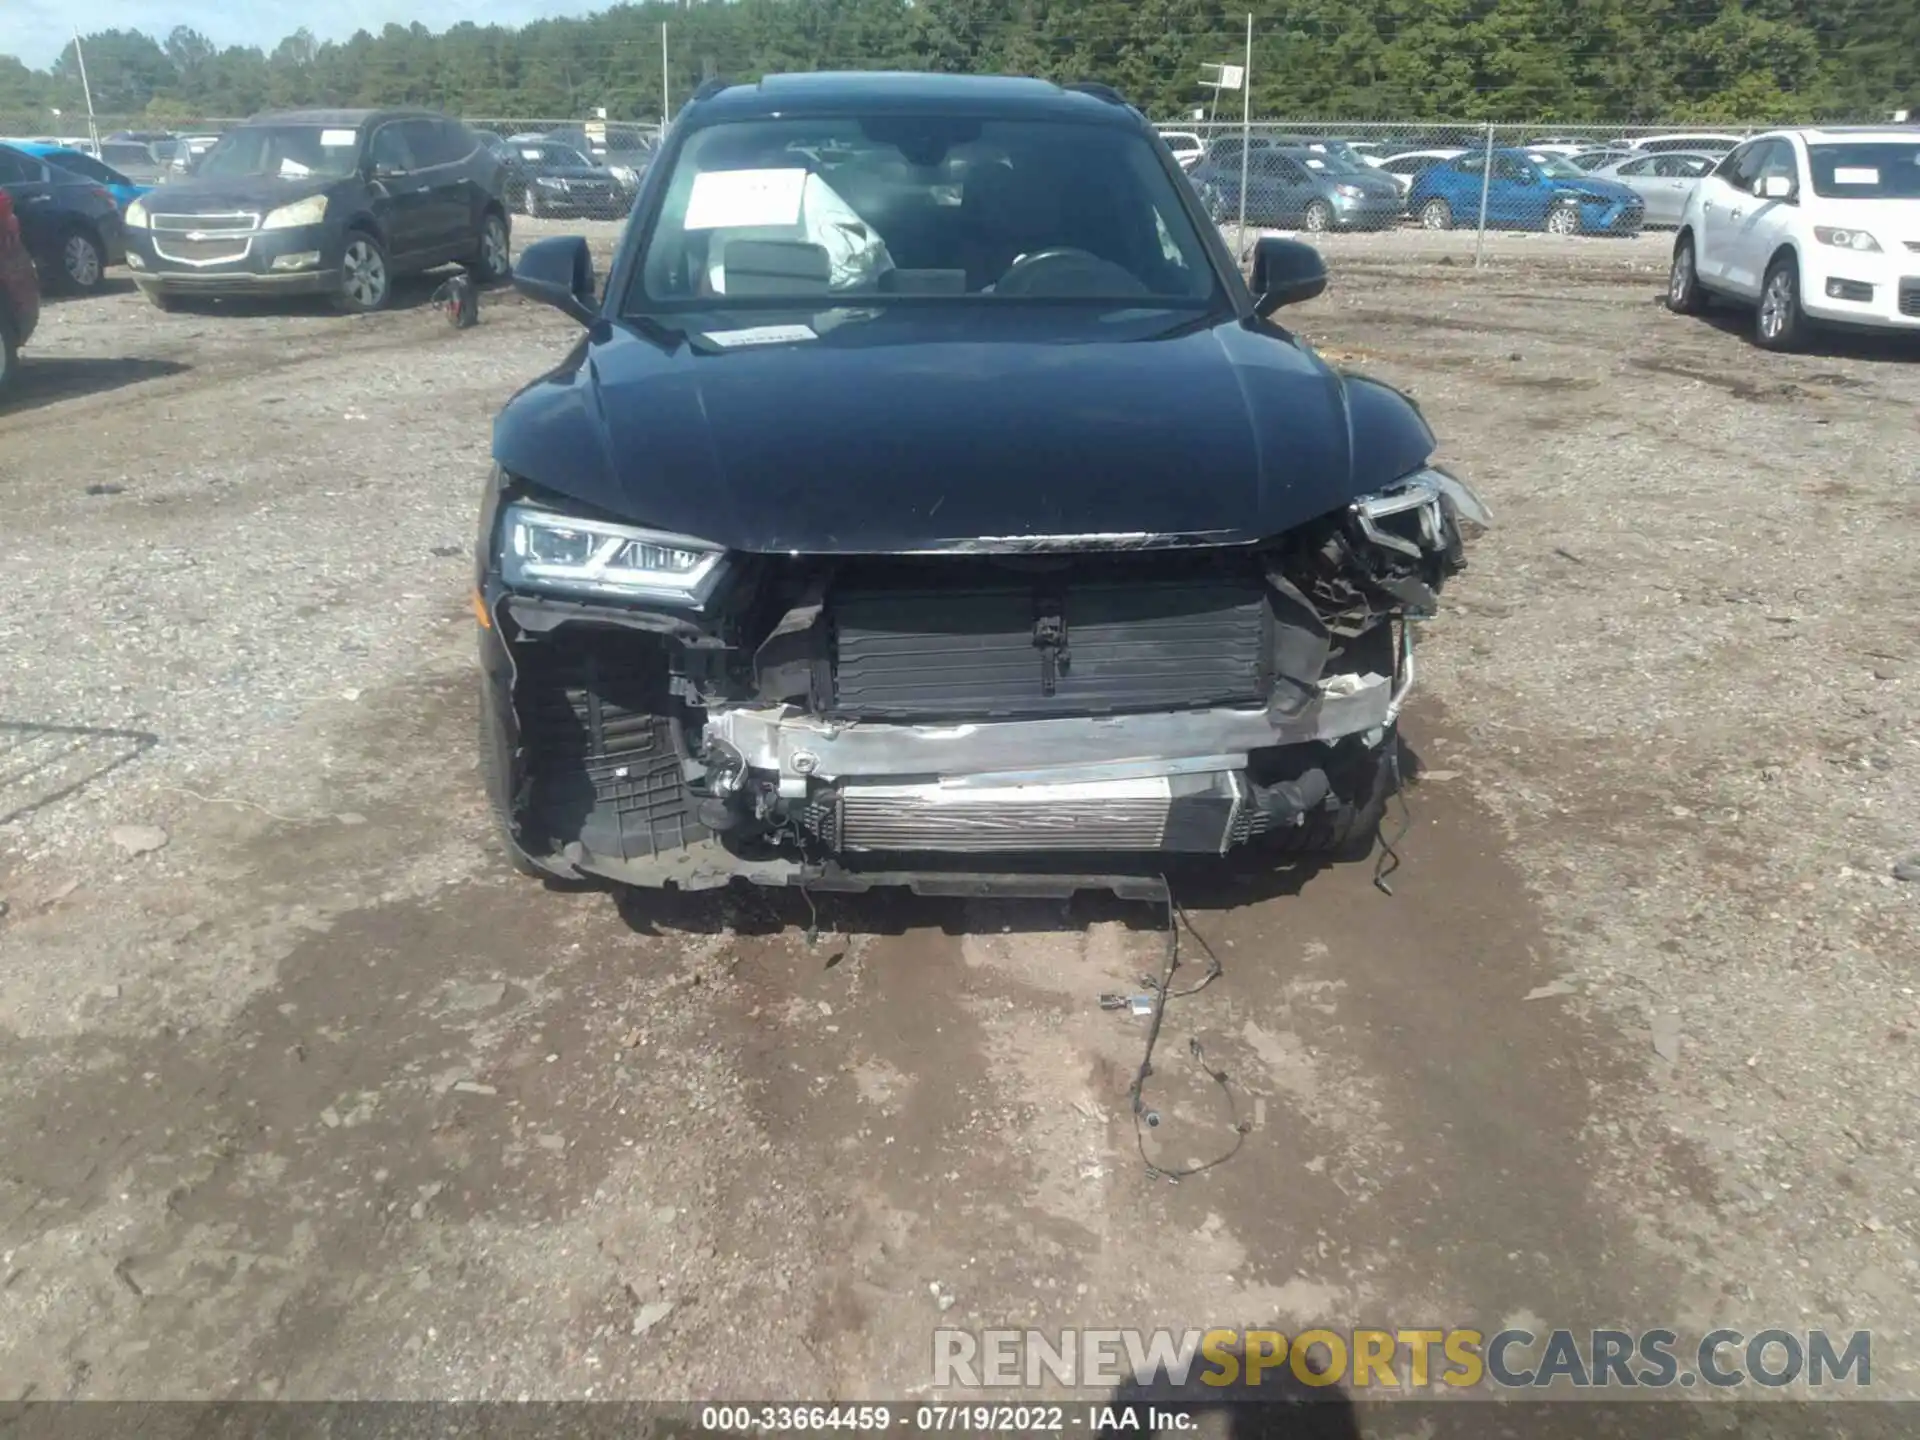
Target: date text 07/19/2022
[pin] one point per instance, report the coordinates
(971, 1419)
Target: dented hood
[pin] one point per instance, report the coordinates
(917, 430)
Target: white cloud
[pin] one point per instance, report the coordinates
(36, 30)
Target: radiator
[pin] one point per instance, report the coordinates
(1024, 649)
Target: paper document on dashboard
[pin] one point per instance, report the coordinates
(729, 199)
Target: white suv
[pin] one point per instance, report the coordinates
(1807, 226)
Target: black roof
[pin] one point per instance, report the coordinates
(345, 119)
(902, 92)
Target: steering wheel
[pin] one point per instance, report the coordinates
(1066, 270)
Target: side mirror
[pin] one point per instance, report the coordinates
(1774, 187)
(1285, 272)
(559, 272)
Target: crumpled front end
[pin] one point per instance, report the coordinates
(1071, 706)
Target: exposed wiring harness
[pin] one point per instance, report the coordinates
(1162, 990)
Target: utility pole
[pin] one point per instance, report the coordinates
(666, 106)
(1246, 136)
(93, 128)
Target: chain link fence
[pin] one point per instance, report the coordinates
(1449, 178)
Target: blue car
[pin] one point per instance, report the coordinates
(1528, 191)
(124, 190)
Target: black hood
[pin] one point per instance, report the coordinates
(240, 192)
(922, 430)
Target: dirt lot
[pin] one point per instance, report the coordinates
(316, 1099)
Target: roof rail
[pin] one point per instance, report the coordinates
(1096, 89)
(710, 88)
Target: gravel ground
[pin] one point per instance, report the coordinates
(308, 1097)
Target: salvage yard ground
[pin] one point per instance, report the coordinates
(306, 1095)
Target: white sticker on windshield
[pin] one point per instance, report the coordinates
(1855, 175)
(1316, 164)
(529, 154)
(338, 139)
(293, 170)
(723, 199)
(760, 334)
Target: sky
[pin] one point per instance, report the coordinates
(36, 30)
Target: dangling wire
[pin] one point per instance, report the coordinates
(1163, 991)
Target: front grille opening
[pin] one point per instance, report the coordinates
(1086, 636)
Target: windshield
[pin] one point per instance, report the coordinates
(287, 152)
(1556, 167)
(1867, 170)
(756, 212)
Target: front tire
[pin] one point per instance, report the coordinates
(1319, 217)
(1436, 215)
(1684, 296)
(491, 254)
(1563, 220)
(366, 282)
(1779, 322)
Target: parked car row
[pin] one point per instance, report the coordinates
(1563, 184)
(1324, 183)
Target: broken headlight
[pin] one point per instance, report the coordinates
(1412, 516)
(1386, 554)
(541, 550)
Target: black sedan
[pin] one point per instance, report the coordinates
(929, 501)
(71, 225)
(545, 177)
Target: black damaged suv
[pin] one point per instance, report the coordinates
(930, 501)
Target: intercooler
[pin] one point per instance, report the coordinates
(1189, 812)
(1052, 644)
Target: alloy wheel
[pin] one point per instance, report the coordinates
(82, 261)
(1563, 220)
(364, 275)
(1776, 304)
(493, 247)
(1680, 280)
(1317, 217)
(1434, 215)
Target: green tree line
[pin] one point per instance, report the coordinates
(1533, 60)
